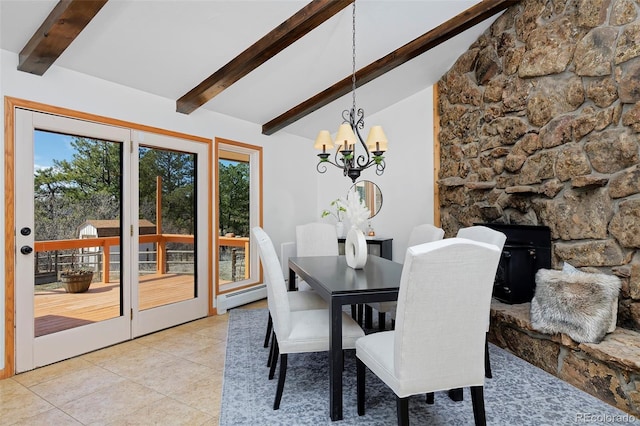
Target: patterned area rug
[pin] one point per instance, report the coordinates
(518, 393)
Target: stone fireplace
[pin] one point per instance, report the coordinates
(540, 125)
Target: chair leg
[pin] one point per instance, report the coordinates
(431, 396)
(381, 320)
(274, 359)
(487, 361)
(268, 335)
(456, 394)
(360, 313)
(281, 377)
(402, 406)
(477, 400)
(270, 359)
(360, 381)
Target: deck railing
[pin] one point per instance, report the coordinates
(237, 242)
(161, 241)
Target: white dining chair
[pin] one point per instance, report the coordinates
(298, 301)
(295, 331)
(420, 234)
(312, 239)
(316, 239)
(487, 235)
(446, 284)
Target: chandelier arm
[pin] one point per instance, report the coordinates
(338, 160)
(322, 165)
(362, 161)
(346, 116)
(360, 123)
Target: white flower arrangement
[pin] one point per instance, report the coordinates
(357, 212)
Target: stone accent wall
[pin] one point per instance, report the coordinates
(540, 125)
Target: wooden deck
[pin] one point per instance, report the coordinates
(57, 310)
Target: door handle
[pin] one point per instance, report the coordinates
(26, 249)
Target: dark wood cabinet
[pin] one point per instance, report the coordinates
(378, 246)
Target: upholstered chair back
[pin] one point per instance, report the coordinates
(484, 235)
(443, 303)
(487, 235)
(276, 288)
(424, 234)
(316, 239)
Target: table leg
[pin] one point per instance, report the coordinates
(368, 316)
(292, 280)
(335, 361)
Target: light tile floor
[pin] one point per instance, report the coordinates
(172, 377)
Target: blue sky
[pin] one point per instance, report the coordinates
(49, 146)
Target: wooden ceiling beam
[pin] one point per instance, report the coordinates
(67, 19)
(417, 47)
(278, 39)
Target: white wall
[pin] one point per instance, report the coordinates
(293, 191)
(408, 182)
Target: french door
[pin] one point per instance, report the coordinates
(128, 207)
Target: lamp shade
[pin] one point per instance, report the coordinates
(377, 141)
(345, 137)
(323, 140)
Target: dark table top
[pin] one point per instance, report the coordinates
(334, 276)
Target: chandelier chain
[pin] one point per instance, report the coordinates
(353, 45)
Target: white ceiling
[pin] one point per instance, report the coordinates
(167, 47)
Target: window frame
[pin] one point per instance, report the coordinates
(254, 154)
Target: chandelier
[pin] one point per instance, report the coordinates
(348, 137)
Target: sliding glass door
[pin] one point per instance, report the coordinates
(111, 231)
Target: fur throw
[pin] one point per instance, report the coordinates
(579, 304)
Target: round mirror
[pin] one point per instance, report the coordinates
(371, 195)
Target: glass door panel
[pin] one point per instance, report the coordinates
(69, 197)
(77, 196)
(172, 238)
(167, 251)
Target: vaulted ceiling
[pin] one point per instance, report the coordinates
(282, 64)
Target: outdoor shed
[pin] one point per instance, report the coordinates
(93, 228)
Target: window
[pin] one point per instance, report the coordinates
(238, 209)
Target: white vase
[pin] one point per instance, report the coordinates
(340, 229)
(355, 248)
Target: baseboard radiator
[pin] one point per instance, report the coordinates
(241, 297)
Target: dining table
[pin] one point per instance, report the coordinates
(339, 285)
